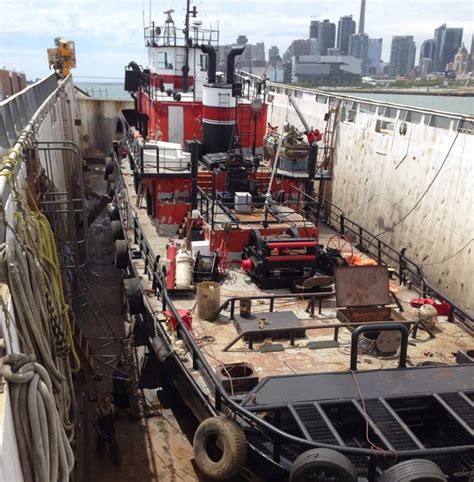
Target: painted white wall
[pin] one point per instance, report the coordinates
(371, 190)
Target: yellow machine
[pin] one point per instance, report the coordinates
(63, 57)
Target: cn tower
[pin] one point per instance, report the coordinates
(362, 17)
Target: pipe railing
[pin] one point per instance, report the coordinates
(407, 270)
(269, 431)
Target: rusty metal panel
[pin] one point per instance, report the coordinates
(362, 285)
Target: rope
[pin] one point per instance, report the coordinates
(44, 449)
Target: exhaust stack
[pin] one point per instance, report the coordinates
(234, 51)
(212, 65)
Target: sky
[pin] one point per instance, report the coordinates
(109, 33)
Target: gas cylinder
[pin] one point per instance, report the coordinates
(171, 267)
(183, 269)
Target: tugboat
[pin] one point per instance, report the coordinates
(300, 348)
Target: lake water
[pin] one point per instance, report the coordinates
(459, 105)
(104, 90)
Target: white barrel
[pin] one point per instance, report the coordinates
(184, 263)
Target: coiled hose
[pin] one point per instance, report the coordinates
(45, 451)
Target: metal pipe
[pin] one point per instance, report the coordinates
(212, 63)
(291, 257)
(234, 51)
(194, 173)
(292, 245)
(380, 327)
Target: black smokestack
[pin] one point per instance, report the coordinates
(211, 68)
(234, 51)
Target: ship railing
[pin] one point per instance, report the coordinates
(17, 110)
(218, 398)
(165, 36)
(217, 213)
(407, 270)
(464, 121)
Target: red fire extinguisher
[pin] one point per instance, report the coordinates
(171, 268)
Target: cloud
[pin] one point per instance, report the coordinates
(108, 33)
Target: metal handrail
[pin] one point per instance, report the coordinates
(221, 397)
(373, 245)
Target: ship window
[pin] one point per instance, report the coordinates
(203, 61)
(384, 126)
(390, 112)
(438, 121)
(367, 108)
(321, 98)
(165, 60)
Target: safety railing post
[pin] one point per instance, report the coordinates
(341, 224)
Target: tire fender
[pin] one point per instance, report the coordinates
(414, 470)
(220, 448)
(117, 230)
(121, 254)
(328, 461)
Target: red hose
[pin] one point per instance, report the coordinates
(171, 268)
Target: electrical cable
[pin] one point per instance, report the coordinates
(429, 185)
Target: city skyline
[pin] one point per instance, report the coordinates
(109, 34)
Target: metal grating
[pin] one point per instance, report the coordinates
(395, 433)
(315, 424)
(461, 406)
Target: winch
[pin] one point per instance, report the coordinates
(273, 263)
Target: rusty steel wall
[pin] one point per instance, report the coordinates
(98, 122)
(386, 158)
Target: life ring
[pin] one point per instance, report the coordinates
(220, 448)
(316, 462)
(414, 470)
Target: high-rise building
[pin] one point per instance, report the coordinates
(470, 59)
(359, 48)
(447, 42)
(426, 67)
(297, 48)
(461, 60)
(326, 36)
(402, 55)
(374, 56)
(273, 54)
(345, 28)
(427, 50)
(438, 34)
(451, 40)
(313, 29)
(258, 52)
(362, 17)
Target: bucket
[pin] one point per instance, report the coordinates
(208, 299)
(245, 308)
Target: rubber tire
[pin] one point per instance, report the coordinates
(234, 448)
(415, 470)
(323, 459)
(109, 169)
(134, 296)
(113, 212)
(121, 254)
(117, 230)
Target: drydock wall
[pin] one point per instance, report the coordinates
(98, 124)
(386, 158)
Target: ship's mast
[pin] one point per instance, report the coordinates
(186, 49)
